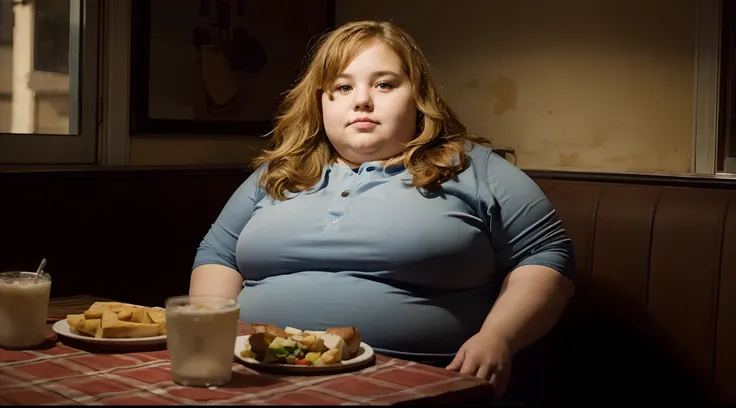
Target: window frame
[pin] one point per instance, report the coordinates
(706, 92)
(726, 134)
(80, 145)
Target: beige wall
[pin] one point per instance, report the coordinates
(570, 84)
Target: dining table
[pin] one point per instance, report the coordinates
(66, 371)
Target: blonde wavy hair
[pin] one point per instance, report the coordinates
(300, 148)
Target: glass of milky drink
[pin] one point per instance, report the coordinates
(200, 337)
(24, 303)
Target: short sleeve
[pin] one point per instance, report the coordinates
(219, 244)
(524, 226)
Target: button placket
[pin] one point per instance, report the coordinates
(338, 209)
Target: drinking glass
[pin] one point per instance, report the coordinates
(200, 337)
(24, 304)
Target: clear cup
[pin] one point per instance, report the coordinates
(200, 337)
(24, 305)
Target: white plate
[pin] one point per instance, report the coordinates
(62, 328)
(364, 356)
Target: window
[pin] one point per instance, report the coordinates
(48, 81)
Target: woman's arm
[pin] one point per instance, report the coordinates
(215, 280)
(535, 257)
(531, 301)
(534, 254)
(215, 270)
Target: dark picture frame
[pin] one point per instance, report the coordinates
(144, 54)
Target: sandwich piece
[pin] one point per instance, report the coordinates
(125, 313)
(259, 344)
(108, 319)
(351, 336)
(82, 325)
(122, 329)
(262, 337)
(112, 327)
(95, 311)
(313, 343)
(269, 329)
(75, 320)
(139, 315)
(89, 326)
(106, 305)
(157, 316)
(335, 342)
(291, 332)
(331, 356)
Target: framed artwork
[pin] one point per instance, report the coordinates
(7, 19)
(217, 67)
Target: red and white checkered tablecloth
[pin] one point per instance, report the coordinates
(59, 374)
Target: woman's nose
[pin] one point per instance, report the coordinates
(363, 106)
(363, 101)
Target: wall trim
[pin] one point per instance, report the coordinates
(707, 70)
(114, 140)
(665, 180)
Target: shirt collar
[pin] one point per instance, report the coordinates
(376, 168)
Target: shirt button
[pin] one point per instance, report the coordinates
(345, 193)
(334, 221)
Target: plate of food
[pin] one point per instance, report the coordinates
(303, 351)
(115, 323)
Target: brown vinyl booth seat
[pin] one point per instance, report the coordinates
(653, 319)
(654, 315)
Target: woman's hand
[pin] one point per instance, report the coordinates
(487, 357)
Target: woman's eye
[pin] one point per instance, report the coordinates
(385, 85)
(343, 88)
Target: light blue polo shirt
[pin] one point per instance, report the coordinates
(416, 271)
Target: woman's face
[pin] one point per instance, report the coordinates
(369, 113)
